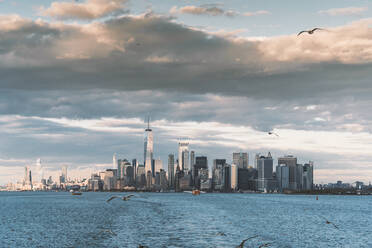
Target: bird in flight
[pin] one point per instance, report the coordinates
(124, 198)
(272, 133)
(242, 243)
(311, 31)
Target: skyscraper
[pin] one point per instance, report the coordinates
(282, 176)
(234, 176)
(240, 159)
(148, 148)
(217, 173)
(63, 177)
(201, 163)
(256, 158)
(114, 161)
(265, 172)
(183, 156)
(28, 178)
(307, 175)
(171, 170)
(192, 159)
(39, 169)
(158, 165)
(291, 162)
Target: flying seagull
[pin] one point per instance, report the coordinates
(328, 222)
(272, 133)
(242, 243)
(311, 31)
(124, 198)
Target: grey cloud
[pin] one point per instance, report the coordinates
(156, 53)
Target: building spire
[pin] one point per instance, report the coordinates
(148, 124)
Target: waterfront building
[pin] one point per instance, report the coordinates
(114, 161)
(234, 177)
(282, 175)
(148, 148)
(109, 181)
(291, 162)
(299, 178)
(256, 158)
(307, 175)
(206, 185)
(163, 180)
(171, 170)
(227, 178)
(149, 180)
(240, 159)
(217, 173)
(122, 166)
(158, 165)
(183, 156)
(95, 183)
(27, 182)
(201, 162)
(184, 182)
(192, 159)
(265, 173)
(134, 164)
(63, 176)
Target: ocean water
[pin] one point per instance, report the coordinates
(58, 219)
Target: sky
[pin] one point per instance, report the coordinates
(78, 79)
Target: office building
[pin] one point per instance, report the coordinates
(226, 178)
(256, 158)
(171, 170)
(265, 173)
(307, 175)
(109, 181)
(201, 162)
(282, 176)
(114, 161)
(183, 156)
(240, 159)
(148, 148)
(217, 174)
(158, 165)
(291, 162)
(192, 159)
(234, 177)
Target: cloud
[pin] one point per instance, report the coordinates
(88, 10)
(213, 10)
(202, 10)
(150, 52)
(256, 13)
(344, 11)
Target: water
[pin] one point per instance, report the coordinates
(48, 219)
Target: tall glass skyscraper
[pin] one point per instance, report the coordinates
(148, 148)
(183, 156)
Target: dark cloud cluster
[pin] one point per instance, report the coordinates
(152, 52)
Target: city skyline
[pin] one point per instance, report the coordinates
(77, 85)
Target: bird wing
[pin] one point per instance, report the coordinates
(242, 243)
(111, 198)
(130, 196)
(304, 31)
(314, 29)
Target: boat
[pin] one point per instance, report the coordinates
(196, 192)
(76, 193)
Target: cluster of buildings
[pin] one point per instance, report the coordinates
(186, 171)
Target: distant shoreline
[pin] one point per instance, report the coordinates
(216, 192)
